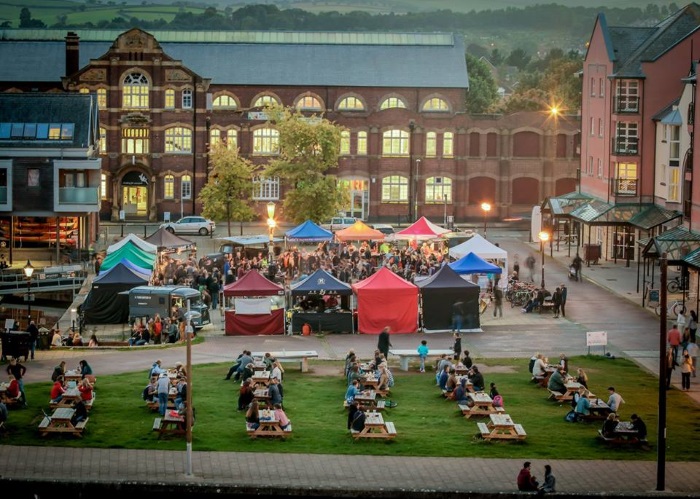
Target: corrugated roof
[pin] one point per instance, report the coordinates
(377, 64)
(79, 109)
(566, 203)
(677, 243)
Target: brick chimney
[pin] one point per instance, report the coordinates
(72, 53)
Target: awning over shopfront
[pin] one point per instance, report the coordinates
(641, 216)
(678, 243)
(562, 206)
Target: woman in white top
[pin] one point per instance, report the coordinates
(540, 367)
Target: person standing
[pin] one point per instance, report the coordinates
(674, 340)
(564, 293)
(670, 366)
(384, 342)
(163, 391)
(693, 325)
(423, 354)
(686, 370)
(457, 315)
(33, 337)
(18, 370)
(497, 301)
(556, 301)
(457, 346)
(530, 264)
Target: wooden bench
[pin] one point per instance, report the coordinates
(301, 356)
(45, 427)
(390, 428)
(520, 431)
(389, 435)
(619, 441)
(156, 424)
(547, 306)
(484, 430)
(558, 396)
(406, 355)
(257, 432)
(44, 423)
(467, 411)
(380, 406)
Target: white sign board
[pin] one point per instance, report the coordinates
(596, 338)
(9, 323)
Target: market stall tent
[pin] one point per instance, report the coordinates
(139, 271)
(324, 285)
(253, 313)
(132, 239)
(481, 247)
(131, 252)
(439, 292)
(421, 229)
(471, 263)
(104, 304)
(164, 239)
(308, 231)
(385, 299)
(359, 231)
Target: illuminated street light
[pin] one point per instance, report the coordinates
(544, 237)
(28, 271)
(486, 207)
(271, 224)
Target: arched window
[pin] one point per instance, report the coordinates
(169, 99)
(392, 102)
(395, 143)
(448, 144)
(265, 100)
(135, 91)
(232, 139)
(187, 99)
(362, 143)
(169, 187)
(266, 141)
(178, 140)
(435, 105)
(102, 98)
(186, 187)
(438, 190)
(344, 142)
(309, 103)
(84, 90)
(395, 189)
(224, 102)
(430, 144)
(351, 104)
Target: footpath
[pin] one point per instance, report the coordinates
(42, 471)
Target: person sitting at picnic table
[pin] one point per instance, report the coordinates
(268, 360)
(59, 370)
(150, 392)
(451, 380)
(356, 419)
(85, 389)
(84, 368)
(252, 416)
(56, 338)
(355, 374)
(526, 481)
(247, 371)
(57, 390)
(352, 391)
(440, 366)
(181, 396)
(467, 360)
(556, 381)
(640, 426)
(615, 400)
(275, 393)
(539, 367)
(609, 425)
(180, 370)
(383, 380)
(443, 377)
(460, 393)
(582, 406)
(246, 394)
(582, 377)
(13, 390)
(477, 379)
(281, 416)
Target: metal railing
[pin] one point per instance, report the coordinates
(624, 186)
(624, 104)
(49, 279)
(627, 146)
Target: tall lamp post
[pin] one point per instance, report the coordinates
(486, 207)
(28, 271)
(271, 224)
(544, 237)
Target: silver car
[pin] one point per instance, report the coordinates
(190, 225)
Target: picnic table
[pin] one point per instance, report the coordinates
(624, 434)
(60, 422)
(405, 356)
(172, 423)
(70, 397)
(501, 427)
(5, 398)
(269, 426)
(301, 356)
(261, 378)
(483, 405)
(572, 387)
(262, 395)
(72, 375)
(375, 427)
(599, 410)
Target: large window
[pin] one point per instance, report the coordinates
(265, 100)
(309, 103)
(170, 99)
(430, 144)
(102, 148)
(103, 186)
(395, 143)
(351, 104)
(265, 189)
(627, 178)
(186, 187)
(102, 98)
(362, 143)
(224, 102)
(135, 91)
(214, 138)
(187, 99)
(627, 98)
(395, 189)
(626, 139)
(448, 144)
(135, 140)
(438, 190)
(435, 105)
(344, 142)
(178, 140)
(392, 102)
(232, 139)
(266, 141)
(169, 187)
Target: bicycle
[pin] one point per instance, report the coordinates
(673, 309)
(677, 284)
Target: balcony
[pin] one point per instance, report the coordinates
(78, 195)
(624, 186)
(625, 146)
(626, 105)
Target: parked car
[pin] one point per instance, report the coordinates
(386, 229)
(338, 223)
(190, 225)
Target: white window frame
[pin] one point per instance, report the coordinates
(351, 103)
(265, 100)
(448, 145)
(266, 188)
(362, 143)
(392, 103)
(266, 141)
(187, 99)
(169, 98)
(430, 144)
(232, 139)
(136, 141)
(135, 91)
(186, 187)
(169, 187)
(395, 189)
(224, 101)
(395, 142)
(309, 103)
(178, 140)
(435, 105)
(344, 143)
(436, 188)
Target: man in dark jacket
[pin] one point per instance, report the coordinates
(33, 336)
(384, 343)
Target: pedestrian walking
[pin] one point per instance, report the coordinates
(564, 292)
(384, 342)
(33, 337)
(498, 302)
(423, 354)
(457, 315)
(457, 346)
(530, 264)
(556, 301)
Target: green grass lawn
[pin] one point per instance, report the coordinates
(427, 424)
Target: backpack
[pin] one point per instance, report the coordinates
(497, 401)
(571, 417)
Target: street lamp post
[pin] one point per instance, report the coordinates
(271, 224)
(444, 197)
(486, 207)
(28, 271)
(544, 237)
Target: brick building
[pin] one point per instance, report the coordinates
(409, 150)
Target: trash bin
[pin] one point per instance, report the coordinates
(44, 341)
(15, 344)
(591, 253)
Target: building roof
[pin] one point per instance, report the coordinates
(77, 109)
(432, 60)
(632, 46)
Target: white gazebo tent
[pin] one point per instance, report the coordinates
(144, 245)
(481, 247)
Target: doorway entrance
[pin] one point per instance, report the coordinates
(359, 198)
(135, 201)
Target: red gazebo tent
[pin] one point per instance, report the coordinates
(421, 229)
(385, 299)
(249, 287)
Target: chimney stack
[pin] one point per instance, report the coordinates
(72, 53)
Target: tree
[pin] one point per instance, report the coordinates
(227, 193)
(26, 21)
(483, 92)
(308, 148)
(519, 59)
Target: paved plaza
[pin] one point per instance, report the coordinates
(606, 300)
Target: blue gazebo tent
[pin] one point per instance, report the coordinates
(308, 231)
(473, 264)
